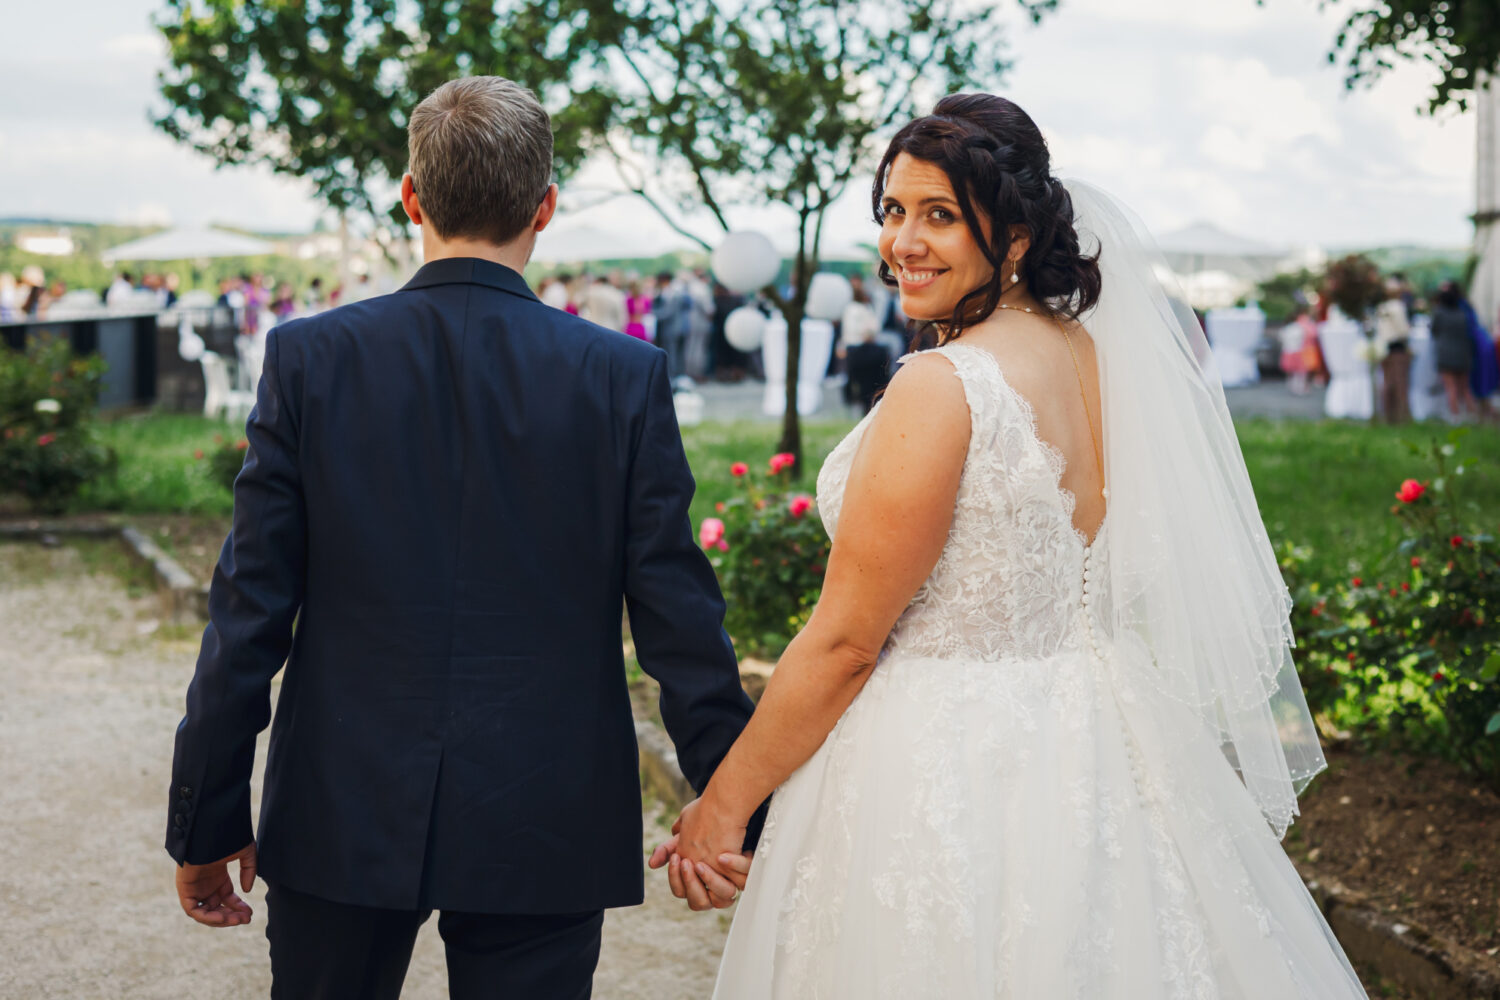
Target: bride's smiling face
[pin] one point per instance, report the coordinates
(925, 241)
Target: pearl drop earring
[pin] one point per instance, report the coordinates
(1014, 277)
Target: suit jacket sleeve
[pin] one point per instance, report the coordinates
(256, 592)
(676, 609)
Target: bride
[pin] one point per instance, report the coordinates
(1043, 733)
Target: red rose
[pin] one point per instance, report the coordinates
(1352, 657)
(45, 440)
(800, 504)
(710, 532)
(1406, 586)
(241, 444)
(738, 469)
(1357, 581)
(1416, 561)
(1456, 541)
(1410, 491)
(198, 453)
(719, 506)
(782, 460)
(1438, 676)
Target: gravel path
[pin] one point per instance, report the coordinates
(91, 688)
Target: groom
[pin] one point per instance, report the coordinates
(448, 493)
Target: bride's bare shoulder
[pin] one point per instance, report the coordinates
(1032, 351)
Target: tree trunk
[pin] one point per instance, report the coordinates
(791, 421)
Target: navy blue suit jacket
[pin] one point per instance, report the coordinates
(449, 491)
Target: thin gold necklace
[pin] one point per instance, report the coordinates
(1087, 413)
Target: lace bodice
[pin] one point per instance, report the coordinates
(1015, 577)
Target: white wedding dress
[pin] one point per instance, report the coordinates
(1010, 808)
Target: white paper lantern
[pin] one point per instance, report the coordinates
(746, 262)
(827, 296)
(745, 329)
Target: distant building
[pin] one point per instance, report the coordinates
(53, 244)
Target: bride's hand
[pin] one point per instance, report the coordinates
(696, 833)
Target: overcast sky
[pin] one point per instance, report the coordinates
(1187, 109)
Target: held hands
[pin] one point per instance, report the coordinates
(206, 892)
(699, 835)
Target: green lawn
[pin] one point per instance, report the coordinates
(1329, 485)
(158, 473)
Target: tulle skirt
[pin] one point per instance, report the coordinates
(1032, 830)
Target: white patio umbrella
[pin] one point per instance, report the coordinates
(1205, 247)
(188, 244)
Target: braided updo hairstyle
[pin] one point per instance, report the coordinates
(999, 166)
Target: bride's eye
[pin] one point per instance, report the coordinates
(942, 215)
(890, 208)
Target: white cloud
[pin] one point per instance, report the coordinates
(136, 45)
(145, 213)
(1229, 148)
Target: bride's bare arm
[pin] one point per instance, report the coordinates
(897, 510)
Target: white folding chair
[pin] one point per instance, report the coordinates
(219, 397)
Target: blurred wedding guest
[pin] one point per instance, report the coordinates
(729, 363)
(284, 303)
(868, 364)
(120, 290)
(604, 304)
(670, 309)
(316, 300)
(574, 286)
(258, 297)
(32, 292)
(699, 317)
(637, 308)
(1392, 331)
(858, 317)
(1299, 334)
(553, 291)
(1454, 348)
(9, 301)
(170, 284)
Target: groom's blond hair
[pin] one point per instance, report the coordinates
(480, 150)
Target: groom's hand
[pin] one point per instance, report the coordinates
(702, 885)
(207, 894)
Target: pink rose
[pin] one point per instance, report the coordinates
(722, 545)
(710, 532)
(801, 504)
(1410, 491)
(45, 440)
(738, 469)
(782, 460)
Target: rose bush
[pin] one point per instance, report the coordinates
(225, 461)
(770, 555)
(1408, 656)
(48, 445)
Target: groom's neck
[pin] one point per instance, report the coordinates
(513, 255)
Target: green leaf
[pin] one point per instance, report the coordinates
(1494, 725)
(1491, 668)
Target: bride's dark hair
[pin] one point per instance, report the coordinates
(999, 166)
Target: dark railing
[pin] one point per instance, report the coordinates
(140, 349)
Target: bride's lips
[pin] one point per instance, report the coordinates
(916, 278)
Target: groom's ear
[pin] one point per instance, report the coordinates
(545, 210)
(409, 200)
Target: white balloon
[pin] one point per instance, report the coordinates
(746, 262)
(745, 328)
(828, 294)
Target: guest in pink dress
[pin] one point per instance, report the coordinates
(637, 307)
